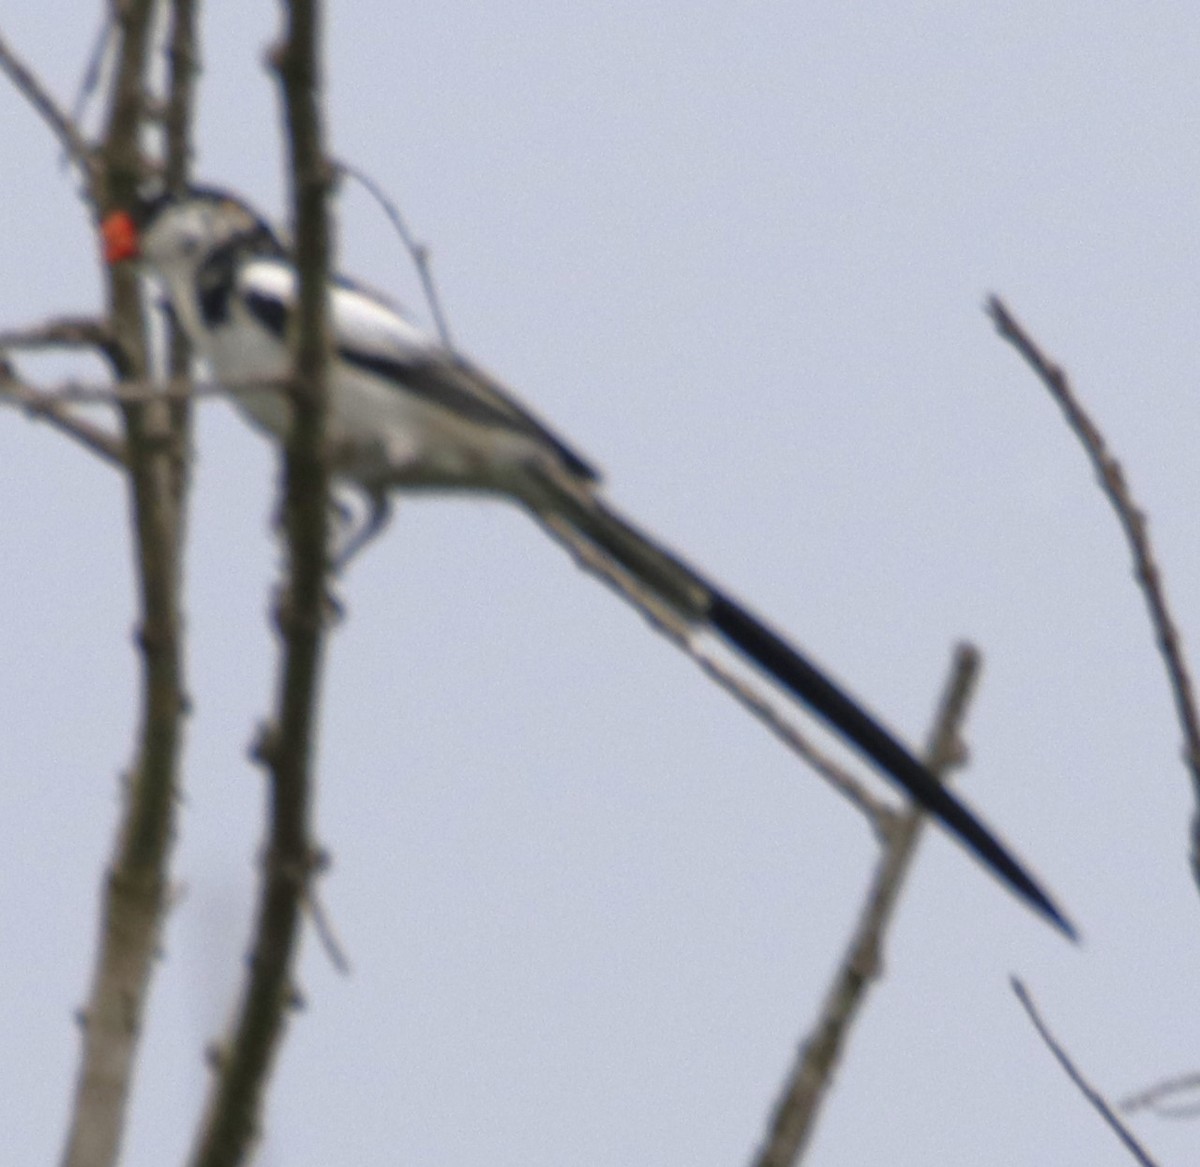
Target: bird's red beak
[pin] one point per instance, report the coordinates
(120, 235)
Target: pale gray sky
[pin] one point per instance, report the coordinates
(737, 254)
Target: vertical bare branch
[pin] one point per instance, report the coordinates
(795, 1114)
(183, 64)
(1133, 524)
(135, 898)
(232, 1121)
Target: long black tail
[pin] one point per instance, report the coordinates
(803, 679)
(701, 604)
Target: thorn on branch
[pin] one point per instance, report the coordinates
(334, 950)
(265, 747)
(274, 56)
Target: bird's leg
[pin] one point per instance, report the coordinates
(378, 514)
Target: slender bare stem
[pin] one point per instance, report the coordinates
(795, 1115)
(40, 406)
(233, 1117)
(418, 251)
(1095, 1099)
(93, 72)
(751, 697)
(74, 144)
(1133, 525)
(142, 390)
(1161, 1098)
(67, 332)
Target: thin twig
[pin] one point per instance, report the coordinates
(138, 391)
(418, 251)
(794, 1118)
(93, 71)
(67, 332)
(326, 934)
(40, 407)
(1093, 1096)
(1157, 1098)
(1133, 524)
(232, 1120)
(74, 144)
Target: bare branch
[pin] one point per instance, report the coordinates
(74, 144)
(1133, 524)
(876, 810)
(233, 1115)
(93, 71)
(40, 406)
(667, 622)
(178, 116)
(418, 251)
(68, 332)
(323, 926)
(1159, 1098)
(795, 1115)
(184, 62)
(136, 892)
(1094, 1097)
(140, 391)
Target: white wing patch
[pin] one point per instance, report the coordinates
(362, 322)
(373, 338)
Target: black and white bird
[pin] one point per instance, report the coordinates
(406, 412)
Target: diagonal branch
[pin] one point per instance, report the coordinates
(1133, 524)
(1160, 1098)
(61, 125)
(69, 332)
(1095, 1099)
(751, 697)
(93, 71)
(40, 405)
(800, 1101)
